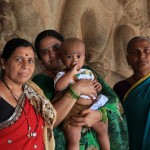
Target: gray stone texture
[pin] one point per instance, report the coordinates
(105, 26)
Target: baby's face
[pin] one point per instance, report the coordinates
(74, 54)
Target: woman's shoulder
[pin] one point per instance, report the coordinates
(121, 88)
(122, 83)
(45, 83)
(35, 87)
(41, 78)
(39, 75)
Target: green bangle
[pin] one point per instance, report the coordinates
(73, 93)
(104, 114)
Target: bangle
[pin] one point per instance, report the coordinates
(73, 93)
(104, 114)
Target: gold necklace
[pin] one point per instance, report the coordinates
(16, 97)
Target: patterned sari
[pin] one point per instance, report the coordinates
(32, 108)
(137, 110)
(117, 123)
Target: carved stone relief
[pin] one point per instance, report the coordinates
(104, 26)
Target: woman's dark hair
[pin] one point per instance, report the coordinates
(11, 46)
(136, 39)
(44, 34)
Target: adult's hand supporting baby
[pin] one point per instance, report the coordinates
(88, 119)
(65, 103)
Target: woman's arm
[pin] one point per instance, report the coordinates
(64, 104)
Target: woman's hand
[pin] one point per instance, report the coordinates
(90, 117)
(85, 87)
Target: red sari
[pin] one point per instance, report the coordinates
(15, 135)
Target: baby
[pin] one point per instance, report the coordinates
(72, 54)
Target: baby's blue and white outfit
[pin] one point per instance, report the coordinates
(85, 74)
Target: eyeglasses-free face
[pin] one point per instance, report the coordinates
(139, 51)
(138, 56)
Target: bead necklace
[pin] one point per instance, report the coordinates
(16, 97)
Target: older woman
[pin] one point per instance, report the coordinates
(47, 47)
(25, 113)
(135, 93)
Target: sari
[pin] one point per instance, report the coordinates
(33, 111)
(136, 105)
(117, 126)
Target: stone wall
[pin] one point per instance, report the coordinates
(105, 26)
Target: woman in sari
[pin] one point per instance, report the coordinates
(47, 46)
(134, 93)
(26, 115)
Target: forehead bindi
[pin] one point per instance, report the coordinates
(24, 52)
(48, 42)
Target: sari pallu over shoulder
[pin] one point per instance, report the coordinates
(43, 106)
(136, 105)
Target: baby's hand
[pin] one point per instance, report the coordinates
(74, 69)
(97, 85)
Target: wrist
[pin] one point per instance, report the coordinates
(73, 93)
(103, 112)
(75, 88)
(70, 96)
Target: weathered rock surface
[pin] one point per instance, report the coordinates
(104, 26)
